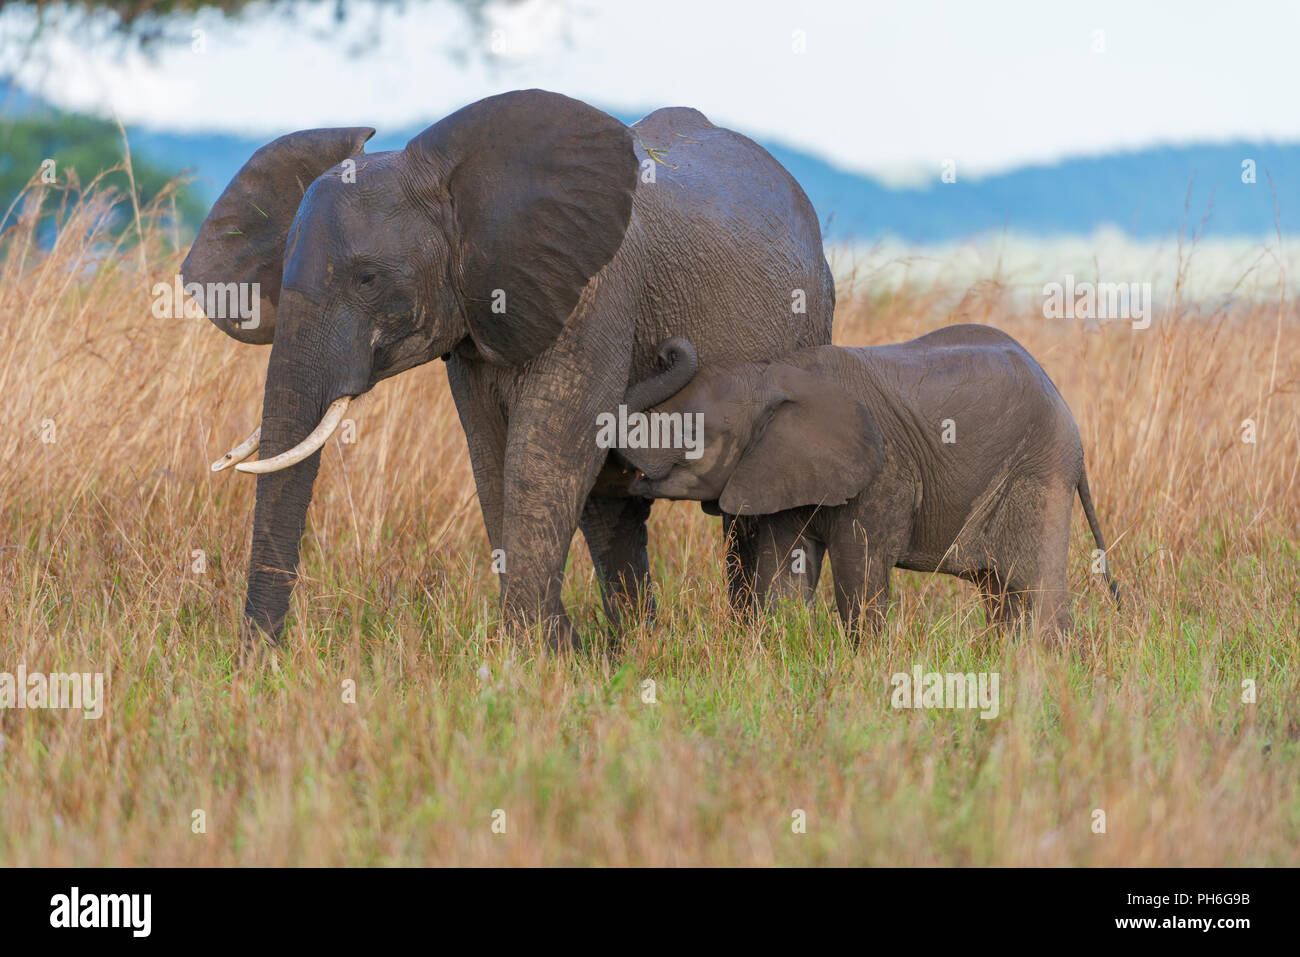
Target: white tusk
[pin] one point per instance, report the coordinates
(328, 423)
(240, 452)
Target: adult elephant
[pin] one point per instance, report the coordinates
(544, 250)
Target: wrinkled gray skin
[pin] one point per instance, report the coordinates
(841, 452)
(545, 200)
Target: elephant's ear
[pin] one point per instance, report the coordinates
(819, 446)
(541, 188)
(242, 240)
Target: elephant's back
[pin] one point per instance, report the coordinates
(981, 379)
(724, 246)
(718, 175)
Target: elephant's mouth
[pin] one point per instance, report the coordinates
(648, 473)
(639, 471)
(308, 446)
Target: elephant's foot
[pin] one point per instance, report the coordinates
(561, 635)
(627, 607)
(555, 629)
(258, 649)
(257, 643)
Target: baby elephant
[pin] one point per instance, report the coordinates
(952, 453)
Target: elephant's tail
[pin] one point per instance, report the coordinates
(1085, 499)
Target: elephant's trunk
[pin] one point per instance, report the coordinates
(678, 355)
(317, 362)
(292, 406)
(280, 516)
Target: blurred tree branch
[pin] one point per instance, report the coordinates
(143, 23)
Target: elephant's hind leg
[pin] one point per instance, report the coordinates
(740, 541)
(1050, 598)
(615, 530)
(1003, 608)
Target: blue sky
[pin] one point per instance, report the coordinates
(892, 89)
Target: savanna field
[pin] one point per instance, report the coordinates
(112, 417)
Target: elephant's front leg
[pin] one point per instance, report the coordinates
(860, 566)
(484, 421)
(551, 463)
(788, 559)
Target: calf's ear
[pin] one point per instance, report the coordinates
(814, 445)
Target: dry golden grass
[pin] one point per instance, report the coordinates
(1142, 718)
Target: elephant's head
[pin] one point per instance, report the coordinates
(480, 234)
(775, 437)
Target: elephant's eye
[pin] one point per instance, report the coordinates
(365, 279)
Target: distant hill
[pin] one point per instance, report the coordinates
(1142, 193)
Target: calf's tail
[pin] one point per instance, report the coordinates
(1085, 499)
